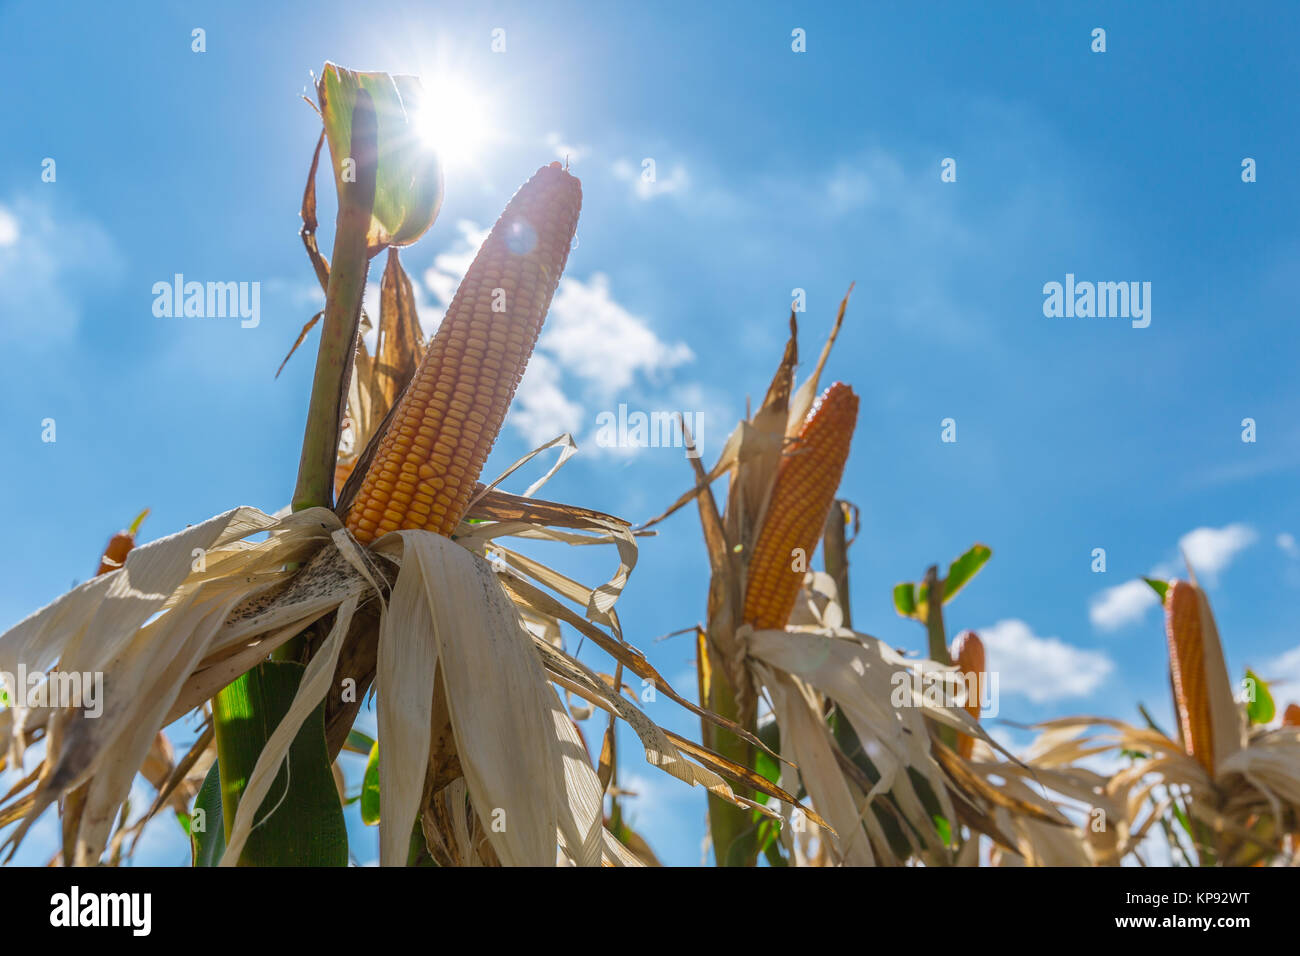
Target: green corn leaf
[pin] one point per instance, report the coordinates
(300, 822)
(1259, 706)
(765, 763)
(774, 852)
(370, 789)
(209, 843)
(1160, 587)
(358, 743)
(912, 598)
(963, 569)
(408, 179)
(905, 599)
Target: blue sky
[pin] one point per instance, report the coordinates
(775, 170)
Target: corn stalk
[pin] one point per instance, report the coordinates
(366, 120)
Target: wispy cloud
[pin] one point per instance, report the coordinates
(51, 264)
(449, 267)
(1211, 550)
(8, 228)
(871, 179)
(592, 348)
(542, 410)
(1042, 668)
(1283, 673)
(298, 293)
(599, 340)
(1249, 468)
(651, 181)
(563, 149)
(1121, 605)
(1208, 550)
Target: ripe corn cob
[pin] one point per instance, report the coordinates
(1187, 665)
(968, 655)
(1292, 716)
(120, 545)
(801, 498)
(447, 420)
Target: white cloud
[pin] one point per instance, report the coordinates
(563, 150)
(1211, 550)
(1041, 668)
(298, 294)
(655, 793)
(864, 182)
(664, 182)
(590, 343)
(8, 227)
(596, 338)
(1208, 550)
(541, 410)
(1122, 605)
(61, 262)
(1283, 672)
(449, 267)
(1286, 541)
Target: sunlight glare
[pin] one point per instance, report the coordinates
(454, 120)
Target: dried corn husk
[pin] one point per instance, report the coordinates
(170, 630)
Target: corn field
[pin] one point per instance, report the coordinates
(416, 648)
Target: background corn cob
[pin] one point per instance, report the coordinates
(447, 420)
(1187, 665)
(968, 655)
(801, 498)
(120, 545)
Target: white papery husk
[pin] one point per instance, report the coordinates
(815, 660)
(1246, 808)
(1261, 778)
(189, 613)
(881, 693)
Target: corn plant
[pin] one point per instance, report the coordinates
(406, 585)
(1224, 788)
(778, 633)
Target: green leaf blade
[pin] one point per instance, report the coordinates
(1260, 708)
(370, 789)
(905, 599)
(963, 569)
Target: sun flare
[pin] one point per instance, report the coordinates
(455, 120)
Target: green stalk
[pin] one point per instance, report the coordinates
(348, 268)
(315, 487)
(938, 639)
(732, 828)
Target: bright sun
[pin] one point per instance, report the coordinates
(454, 120)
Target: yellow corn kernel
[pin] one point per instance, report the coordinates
(801, 498)
(1187, 666)
(447, 420)
(968, 654)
